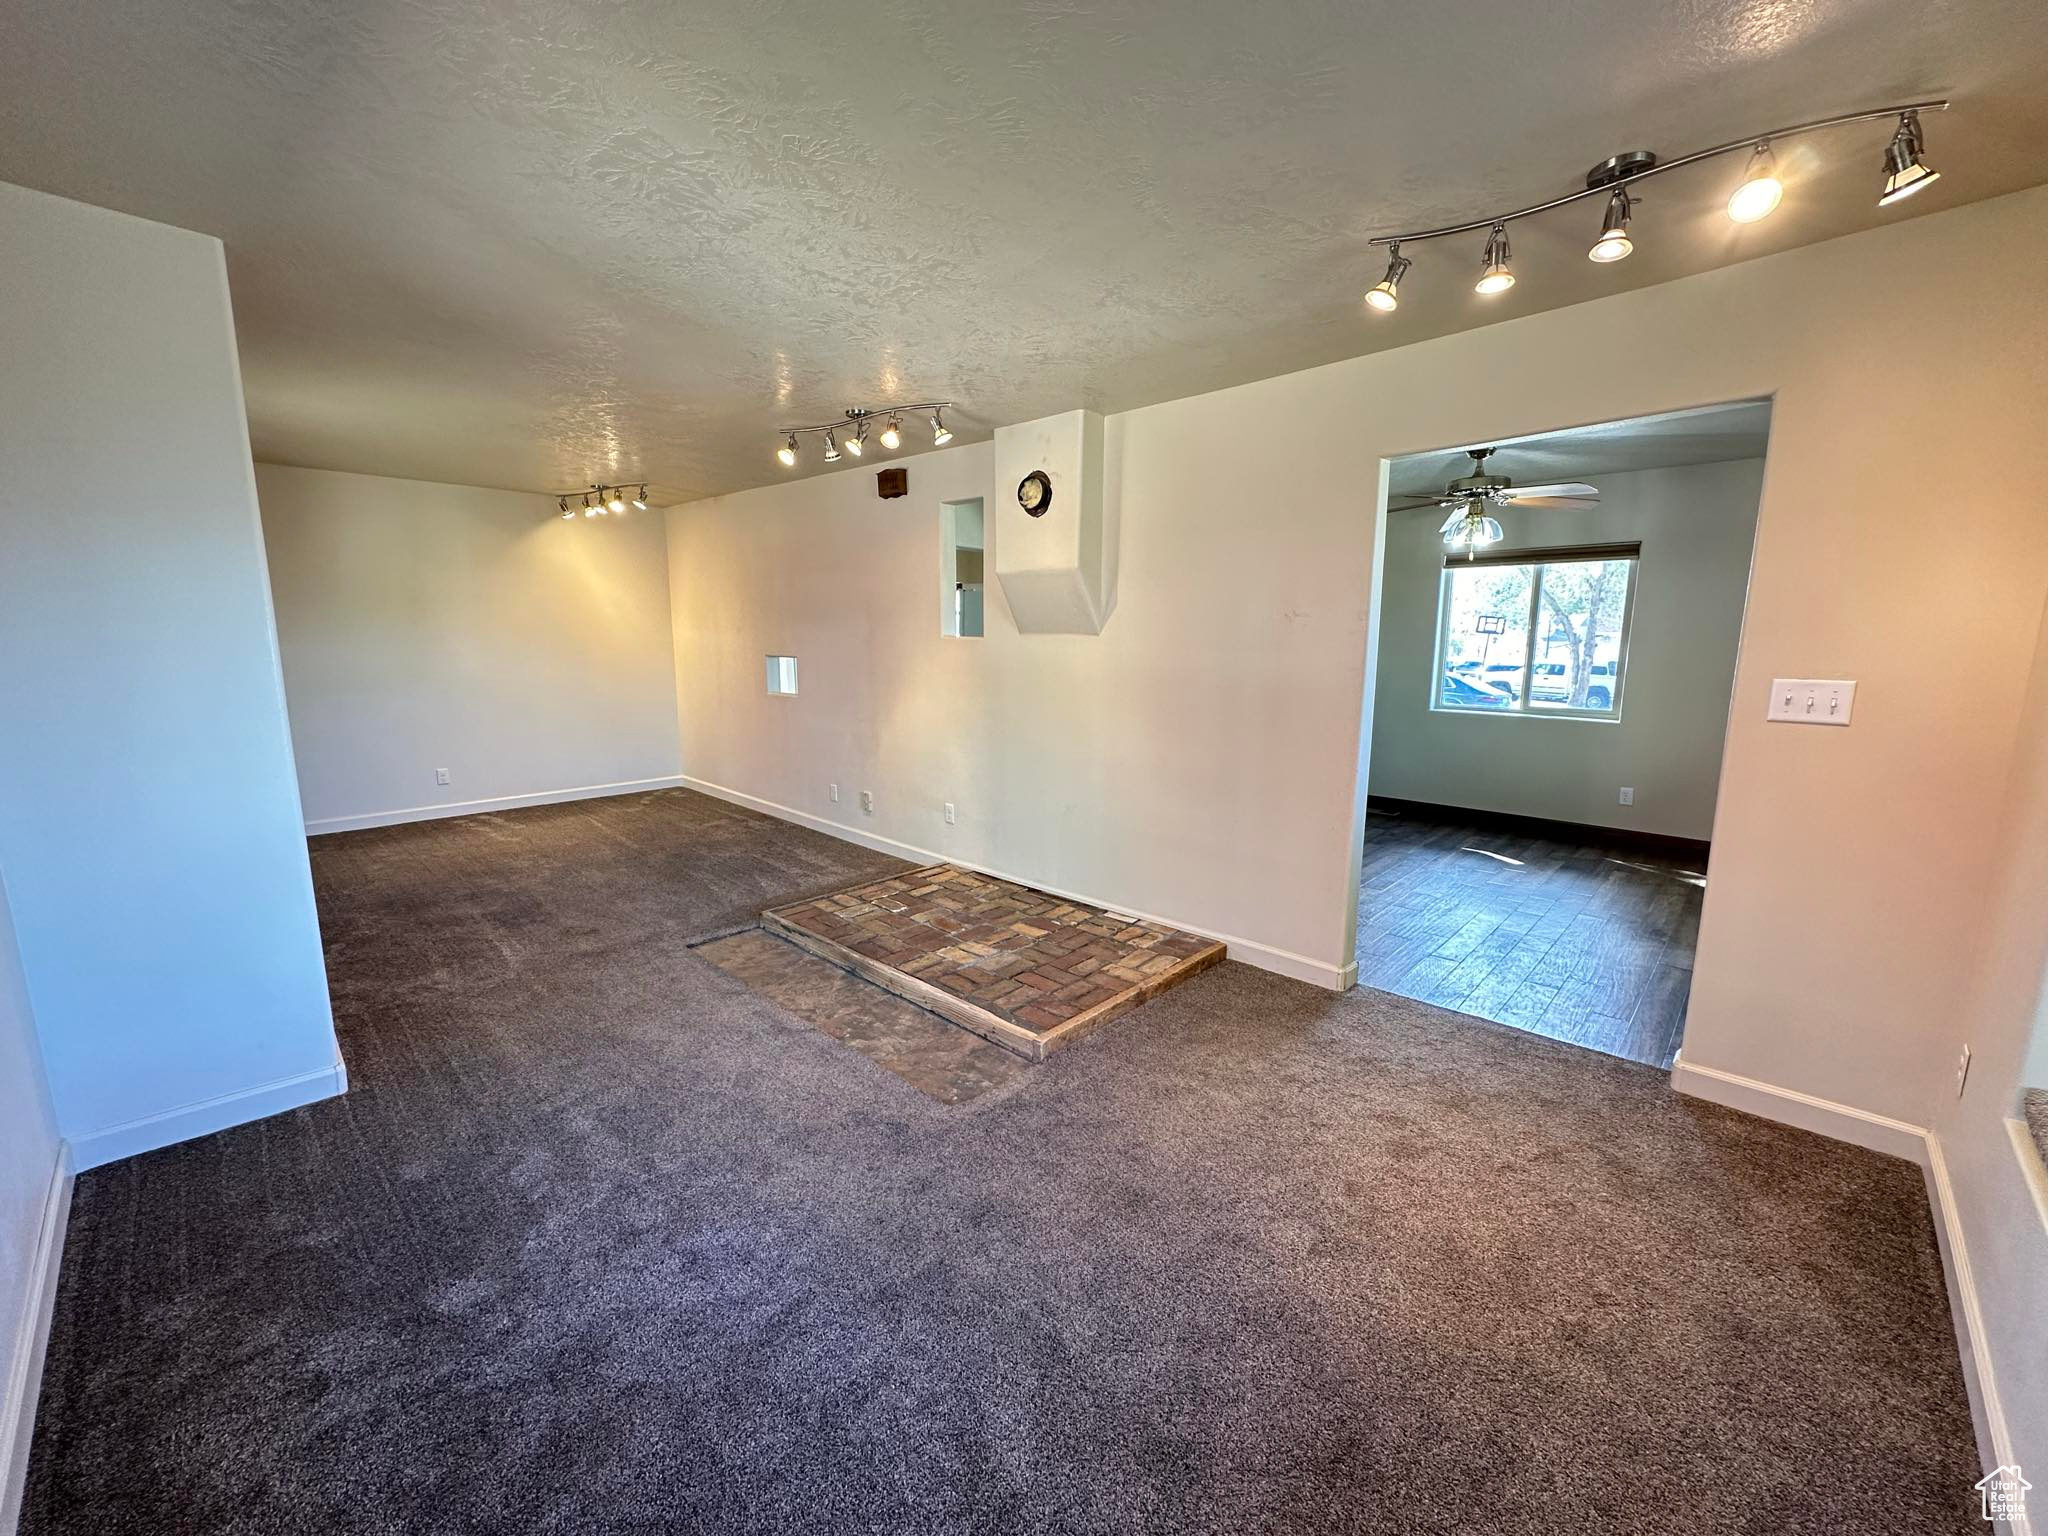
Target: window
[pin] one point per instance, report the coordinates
(782, 674)
(1540, 632)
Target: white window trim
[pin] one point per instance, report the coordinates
(1522, 709)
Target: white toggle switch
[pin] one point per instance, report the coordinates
(1811, 700)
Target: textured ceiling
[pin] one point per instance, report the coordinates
(1712, 435)
(531, 243)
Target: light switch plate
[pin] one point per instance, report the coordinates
(1811, 700)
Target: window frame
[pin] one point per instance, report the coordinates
(1540, 560)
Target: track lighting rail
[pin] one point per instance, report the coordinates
(601, 500)
(856, 413)
(854, 423)
(1627, 177)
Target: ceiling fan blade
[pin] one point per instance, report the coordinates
(1562, 488)
(1555, 501)
(1410, 503)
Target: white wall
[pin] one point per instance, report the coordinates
(439, 626)
(150, 835)
(30, 1154)
(1134, 767)
(1697, 525)
(2003, 1232)
(1198, 759)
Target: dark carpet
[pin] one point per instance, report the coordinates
(600, 1242)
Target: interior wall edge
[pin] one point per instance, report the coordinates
(1281, 962)
(367, 819)
(111, 1143)
(31, 1340)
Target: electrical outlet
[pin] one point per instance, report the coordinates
(832, 790)
(949, 813)
(1962, 1071)
(867, 801)
(440, 775)
(1628, 795)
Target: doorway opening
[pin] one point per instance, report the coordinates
(1554, 654)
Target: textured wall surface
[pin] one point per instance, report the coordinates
(150, 833)
(429, 627)
(1198, 759)
(529, 243)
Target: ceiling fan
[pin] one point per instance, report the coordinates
(1470, 526)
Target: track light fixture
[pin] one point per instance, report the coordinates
(1759, 192)
(1385, 294)
(854, 424)
(1905, 172)
(1614, 242)
(1497, 274)
(601, 501)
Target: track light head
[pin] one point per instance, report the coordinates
(1760, 191)
(941, 435)
(615, 503)
(1497, 274)
(562, 503)
(589, 510)
(831, 447)
(1614, 242)
(1384, 295)
(787, 452)
(640, 501)
(892, 435)
(1905, 172)
(857, 440)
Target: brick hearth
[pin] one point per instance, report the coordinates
(1026, 969)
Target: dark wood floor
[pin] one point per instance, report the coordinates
(1589, 942)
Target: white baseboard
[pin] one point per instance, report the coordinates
(1266, 957)
(1841, 1122)
(1994, 1440)
(1918, 1145)
(367, 819)
(31, 1339)
(208, 1115)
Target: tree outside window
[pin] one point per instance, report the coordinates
(1536, 636)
